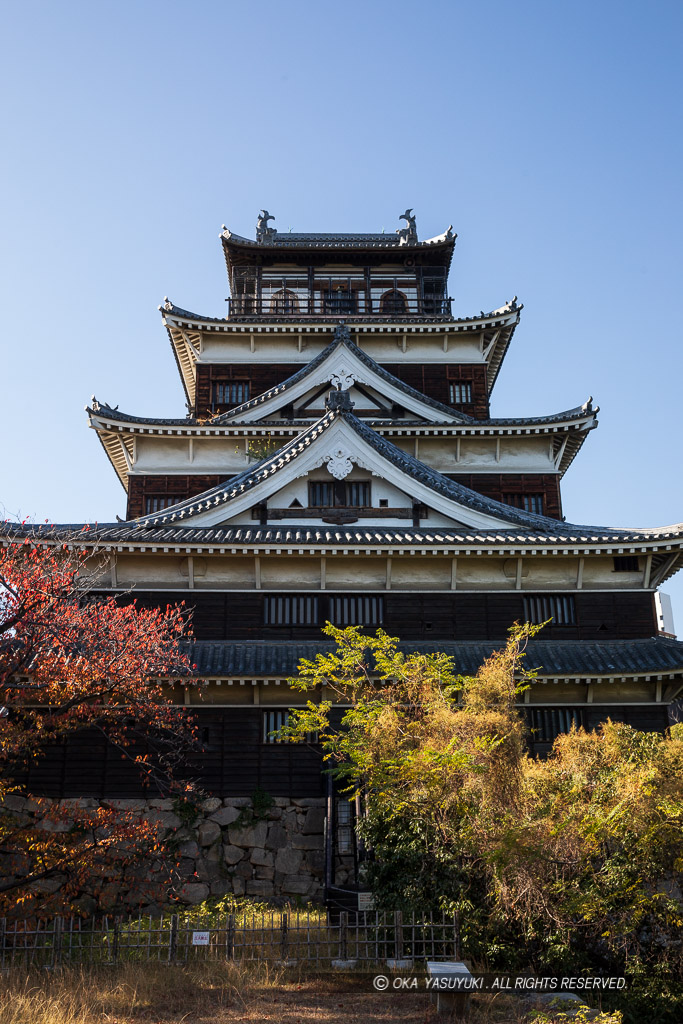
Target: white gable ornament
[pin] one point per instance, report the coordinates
(342, 378)
(339, 463)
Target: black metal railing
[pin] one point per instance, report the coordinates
(336, 306)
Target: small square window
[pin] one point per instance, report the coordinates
(626, 563)
(384, 503)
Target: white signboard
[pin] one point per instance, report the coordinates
(366, 901)
(200, 938)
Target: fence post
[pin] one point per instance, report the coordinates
(343, 935)
(3, 931)
(230, 937)
(173, 939)
(58, 926)
(398, 934)
(456, 934)
(284, 937)
(115, 941)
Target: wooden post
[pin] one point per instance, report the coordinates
(173, 939)
(115, 943)
(284, 937)
(398, 934)
(343, 935)
(58, 928)
(456, 934)
(3, 930)
(230, 938)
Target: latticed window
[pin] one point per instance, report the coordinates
(230, 392)
(293, 610)
(561, 608)
(284, 301)
(348, 493)
(547, 723)
(356, 611)
(529, 502)
(461, 392)
(626, 563)
(273, 721)
(393, 302)
(157, 502)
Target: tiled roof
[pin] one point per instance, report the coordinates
(657, 655)
(412, 467)
(555, 534)
(321, 240)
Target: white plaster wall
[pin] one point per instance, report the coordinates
(425, 572)
(290, 572)
(359, 573)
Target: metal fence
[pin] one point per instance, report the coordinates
(289, 936)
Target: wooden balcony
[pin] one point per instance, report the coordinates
(339, 304)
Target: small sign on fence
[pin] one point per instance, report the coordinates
(366, 901)
(200, 938)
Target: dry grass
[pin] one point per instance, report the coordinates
(214, 992)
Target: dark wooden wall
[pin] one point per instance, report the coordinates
(177, 487)
(645, 718)
(234, 762)
(620, 615)
(430, 379)
(433, 380)
(495, 485)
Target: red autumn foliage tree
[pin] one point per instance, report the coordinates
(71, 662)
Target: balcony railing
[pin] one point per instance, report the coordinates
(337, 305)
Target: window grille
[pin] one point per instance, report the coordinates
(626, 563)
(528, 502)
(357, 611)
(561, 609)
(273, 721)
(461, 392)
(344, 827)
(339, 299)
(291, 611)
(284, 301)
(393, 302)
(548, 723)
(352, 493)
(230, 392)
(157, 502)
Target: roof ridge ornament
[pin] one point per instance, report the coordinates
(342, 333)
(264, 234)
(408, 234)
(338, 401)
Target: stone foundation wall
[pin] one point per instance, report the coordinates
(228, 846)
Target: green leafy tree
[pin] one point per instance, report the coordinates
(574, 860)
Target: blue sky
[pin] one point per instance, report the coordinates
(547, 133)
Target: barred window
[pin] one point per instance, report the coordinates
(529, 502)
(626, 563)
(344, 826)
(328, 494)
(230, 392)
(273, 721)
(157, 502)
(560, 608)
(461, 392)
(357, 611)
(548, 723)
(290, 611)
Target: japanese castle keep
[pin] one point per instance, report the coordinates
(339, 462)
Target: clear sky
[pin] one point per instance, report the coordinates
(548, 133)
